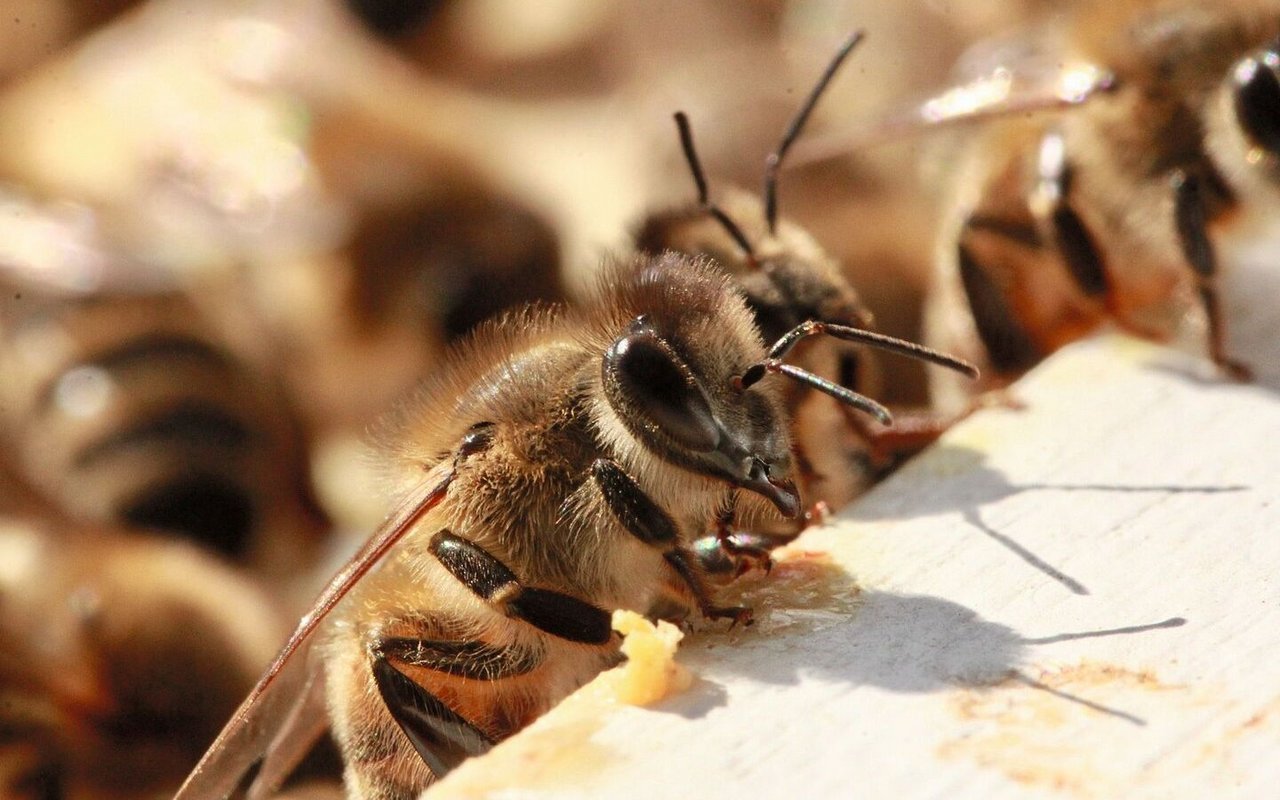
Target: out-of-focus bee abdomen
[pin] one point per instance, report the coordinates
(120, 654)
(463, 258)
(127, 408)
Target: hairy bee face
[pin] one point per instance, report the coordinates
(743, 442)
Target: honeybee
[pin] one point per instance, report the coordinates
(1112, 211)
(125, 404)
(547, 472)
(787, 279)
(120, 654)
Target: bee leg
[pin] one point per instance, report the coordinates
(645, 519)
(808, 474)
(747, 550)
(913, 431)
(683, 562)
(1191, 218)
(489, 579)
(728, 553)
(442, 738)
(1078, 248)
(889, 447)
(744, 550)
(1009, 345)
(1071, 237)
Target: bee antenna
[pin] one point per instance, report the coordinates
(700, 181)
(772, 362)
(879, 341)
(773, 163)
(845, 395)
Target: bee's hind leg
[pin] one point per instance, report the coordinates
(442, 682)
(1191, 218)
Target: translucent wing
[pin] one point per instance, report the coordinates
(268, 709)
(303, 725)
(1004, 77)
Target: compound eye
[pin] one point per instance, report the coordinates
(1257, 99)
(658, 386)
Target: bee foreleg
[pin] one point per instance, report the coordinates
(442, 738)
(550, 611)
(746, 549)
(912, 432)
(1080, 251)
(644, 519)
(638, 514)
(1075, 243)
(728, 552)
(682, 561)
(1191, 219)
(1009, 345)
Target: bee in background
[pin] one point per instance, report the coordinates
(395, 20)
(470, 254)
(125, 405)
(787, 279)
(547, 472)
(120, 655)
(433, 250)
(422, 268)
(1111, 211)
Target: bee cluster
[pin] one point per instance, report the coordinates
(269, 268)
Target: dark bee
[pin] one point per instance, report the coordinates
(420, 271)
(120, 654)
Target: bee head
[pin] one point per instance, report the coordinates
(671, 375)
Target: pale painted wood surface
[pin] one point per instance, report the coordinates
(1076, 600)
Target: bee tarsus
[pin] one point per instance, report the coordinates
(683, 562)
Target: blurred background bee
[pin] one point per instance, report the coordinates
(126, 401)
(1121, 209)
(120, 654)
